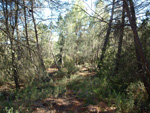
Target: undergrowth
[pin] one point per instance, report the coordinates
(94, 90)
(133, 98)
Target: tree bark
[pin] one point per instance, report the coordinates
(10, 35)
(145, 74)
(61, 49)
(17, 30)
(61, 56)
(37, 41)
(118, 55)
(16, 78)
(100, 62)
(26, 28)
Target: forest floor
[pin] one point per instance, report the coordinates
(67, 102)
(71, 103)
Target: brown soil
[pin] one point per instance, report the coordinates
(71, 104)
(68, 104)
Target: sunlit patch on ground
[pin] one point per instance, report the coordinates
(70, 103)
(52, 70)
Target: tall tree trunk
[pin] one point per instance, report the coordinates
(10, 35)
(16, 78)
(26, 28)
(37, 41)
(15, 72)
(145, 74)
(61, 56)
(100, 62)
(61, 49)
(17, 30)
(118, 55)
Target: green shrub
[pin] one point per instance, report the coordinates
(47, 62)
(10, 110)
(60, 74)
(2, 81)
(137, 92)
(70, 66)
(132, 100)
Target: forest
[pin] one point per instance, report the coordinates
(74, 56)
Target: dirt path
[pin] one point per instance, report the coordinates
(59, 105)
(70, 104)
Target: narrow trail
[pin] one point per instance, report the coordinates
(70, 103)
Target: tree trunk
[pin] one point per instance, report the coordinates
(37, 41)
(100, 62)
(14, 69)
(61, 56)
(18, 45)
(62, 41)
(118, 55)
(26, 28)
(10, 36)
(140, 55)
(17, 30)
